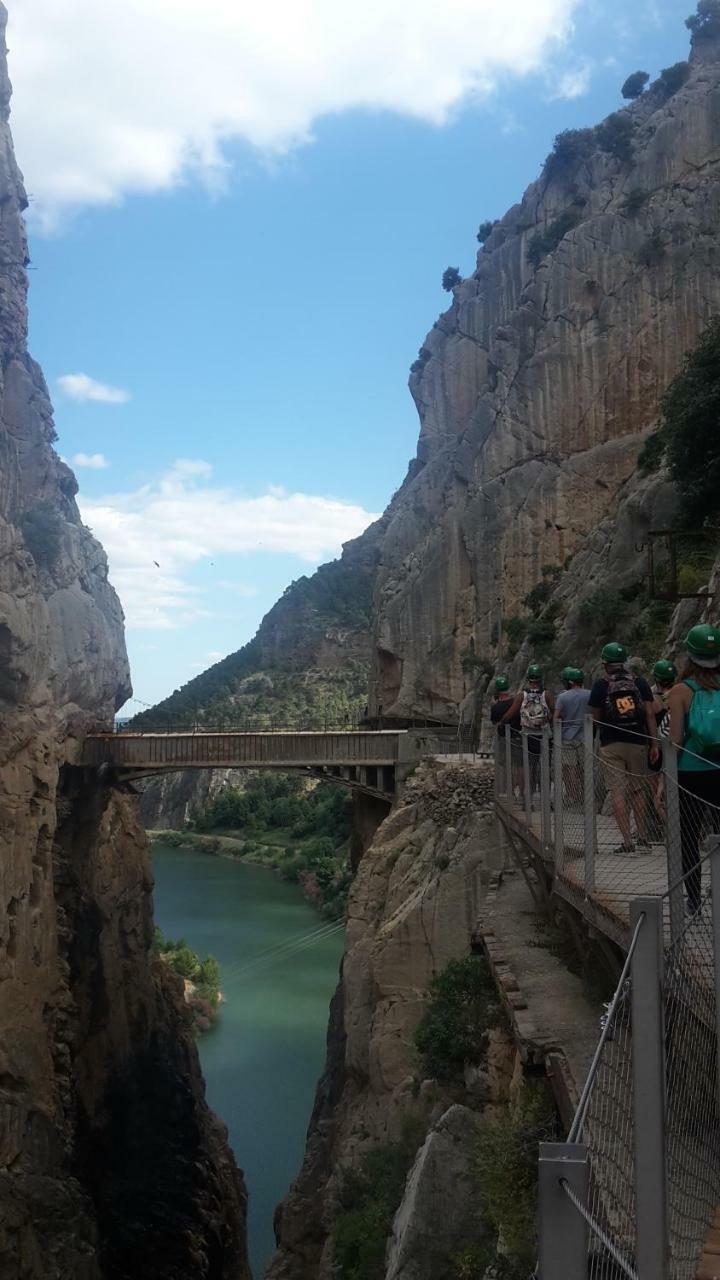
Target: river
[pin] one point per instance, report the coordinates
(263, 1056)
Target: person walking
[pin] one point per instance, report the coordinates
(534, 707)
(665, 673)
(571, 707)
(622, 705)
(694, 708)
(500, 704)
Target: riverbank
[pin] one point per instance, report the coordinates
(321, 871)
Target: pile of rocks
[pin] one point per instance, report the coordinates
(445, 792)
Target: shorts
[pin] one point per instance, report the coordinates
(573, 752)
(626, 766)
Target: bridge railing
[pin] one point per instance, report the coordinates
(635, 1190)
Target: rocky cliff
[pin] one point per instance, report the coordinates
(537, 388)
(111, 1164)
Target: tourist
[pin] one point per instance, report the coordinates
(694, 706)
(500, 704)
(622, 705)
(665, 673)
(534, 707)
(571, 708)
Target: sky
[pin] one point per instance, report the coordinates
(240, 216)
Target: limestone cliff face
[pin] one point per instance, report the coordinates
(536, 389)
(413, 907)
(110, 1162)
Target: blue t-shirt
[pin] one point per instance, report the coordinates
(573, 707)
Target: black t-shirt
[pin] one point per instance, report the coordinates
(498, 710)
(612, 733)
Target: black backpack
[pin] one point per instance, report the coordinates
(624, 703)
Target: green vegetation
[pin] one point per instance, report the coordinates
(204, 996)
(570, 148)
(671, 79)
(418, 365)
(42, 529)
(506, 1172)
(484, 231)
(461, 1008)
(451, 277)
(614, 136)
(634, 85)
(368, 1200)
(544, 242)
(705, 22)
(302, 832)
(515, 629)
(688, 439)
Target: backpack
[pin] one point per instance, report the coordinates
(624, 703)
(534, 712)
(702, 731)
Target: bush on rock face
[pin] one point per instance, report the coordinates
(461, 1008)
(705, 22)
(634, 85)
(451, 278)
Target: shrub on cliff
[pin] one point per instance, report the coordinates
(634, 85)
(484, 231)
(705, 22)
(451, 278)
(614, 136)
(42, 528)
(368, 1199)
(688, 439)
(544, 242)
(570, 148)
(671, 79)
(506, 1171)
(461, 1007)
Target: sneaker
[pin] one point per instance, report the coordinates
(623, 848)
(643, 845)
(693, 912)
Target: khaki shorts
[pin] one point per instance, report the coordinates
(626, 766)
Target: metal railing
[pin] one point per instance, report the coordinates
(635, 1190)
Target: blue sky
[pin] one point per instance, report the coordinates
(259, 306)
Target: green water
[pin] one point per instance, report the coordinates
(264, 1055)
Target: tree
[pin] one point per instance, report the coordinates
(634, 85)
(451, 278)
(688, 438)
(570, 147)
(705, 23)
(484, 231)
(614, 136)
(671, 79)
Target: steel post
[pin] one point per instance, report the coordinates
(545, 810)
(509, 763)
(589, 834)
(672, 839)
(563, 1231)
(714, 841)
(526, 778)
(558, 799)
(648, 1065)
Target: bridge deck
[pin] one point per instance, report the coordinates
(298, 749)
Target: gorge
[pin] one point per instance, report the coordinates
(520, 531)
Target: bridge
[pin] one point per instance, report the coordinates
(369, 761)
(634, 1190)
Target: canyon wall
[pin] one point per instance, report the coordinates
(111, 1164)
(537, 388)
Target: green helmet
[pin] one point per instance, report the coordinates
(571, 675)
(703, 645)
(502, 684)
(534, 671)
(614, 652)
(664, 671)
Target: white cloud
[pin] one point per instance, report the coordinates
(137, 95)
(155, 534)
(572, 84)
(78, 386)
(93, 461)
